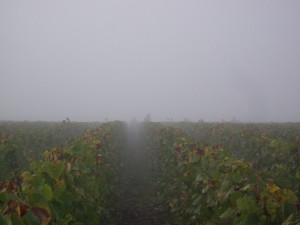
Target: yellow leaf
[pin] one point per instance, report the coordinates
(272, 188)
(26, 175)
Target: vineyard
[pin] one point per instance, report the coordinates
(149, 173)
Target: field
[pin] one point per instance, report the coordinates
(149, 173)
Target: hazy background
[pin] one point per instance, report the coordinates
(91, 60)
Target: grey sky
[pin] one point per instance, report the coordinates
(209, 60)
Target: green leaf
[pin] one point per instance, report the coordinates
(197, 200)
(289, 220)
(55, 170)
(34, 165)
(3, 197)
(242, 203)
(59, 190)
(251, 219)
(67, 199)
(83, 167)
(215, 173)
(31, 218)
(37, 181)
(288, 209)
(57, 210)
(193, 157)
(47, 190)
(26, 175)
(15, 219)
(38, 199)
(274, 143)
(228, 213)
(3, 220)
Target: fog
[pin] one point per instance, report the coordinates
(96, 60)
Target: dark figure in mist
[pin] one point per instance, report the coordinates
(133, 138)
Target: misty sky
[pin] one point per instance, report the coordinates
(118, 59)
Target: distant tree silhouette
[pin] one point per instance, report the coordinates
(170, 119)
(67, 120)
(134, 122)
(186, 119)
(234, 120)
(147, 118)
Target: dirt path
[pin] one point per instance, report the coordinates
(138, 199)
